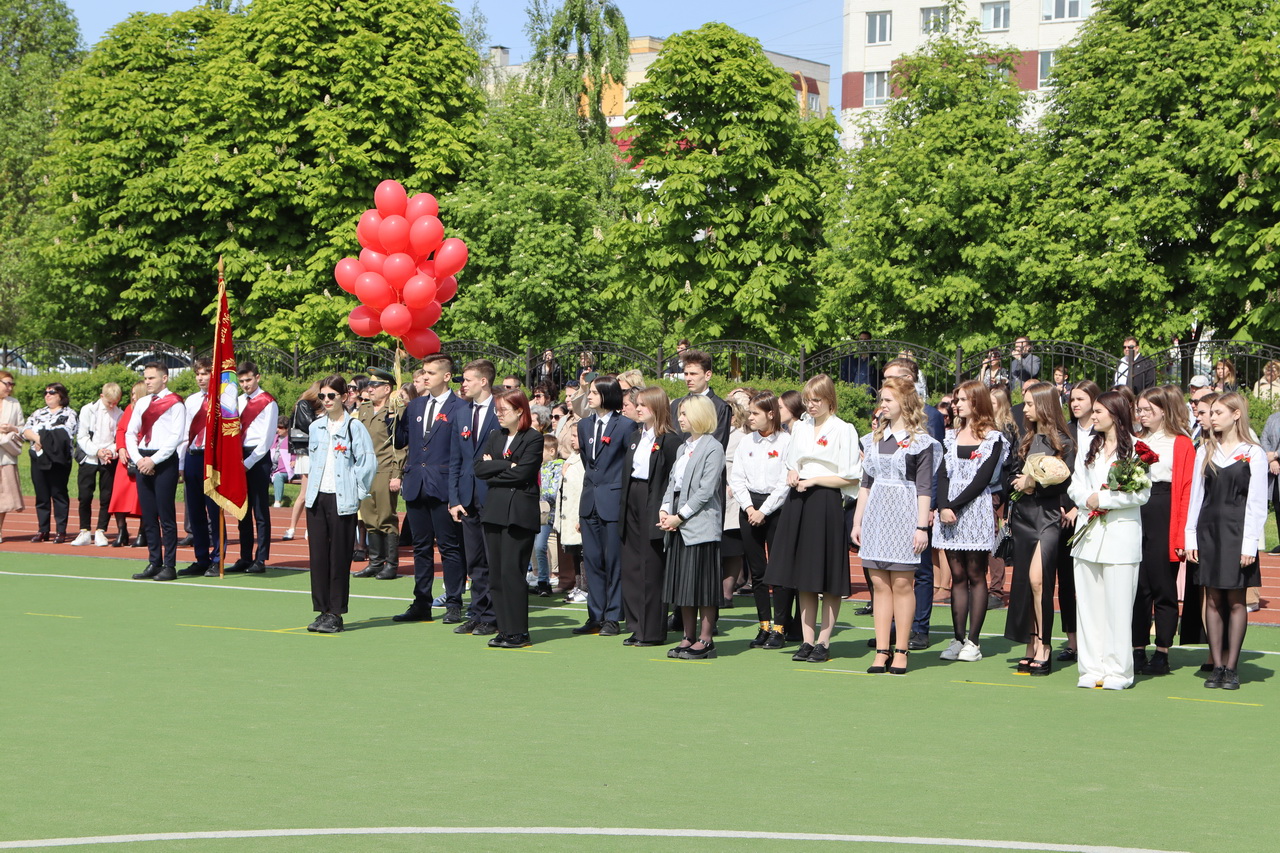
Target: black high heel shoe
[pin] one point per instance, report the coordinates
(877, 670)
(899, 670)
(1041, 667)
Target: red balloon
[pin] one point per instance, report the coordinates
(422, 204)
(426, 234)
(426, 316)
(346, 273)
(419, 290)
(451, 257)
(390, 198)
(396, 319)
(373, 290)
(364, 321)
(397, 269)
(372, 261)
(427, 268)
(367, 230)
(394, 234)
(446, 288)
(421, 342)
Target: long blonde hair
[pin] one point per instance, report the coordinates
(1001, 411)
(1236, 402)
(912, 407)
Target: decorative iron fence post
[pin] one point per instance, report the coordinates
(959, 362)
(661, 365)
(802, 376)
(528, 368)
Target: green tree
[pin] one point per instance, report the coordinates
(39, 41)
(918, 237)
(580, 48)
(533, 208)
(259, 137)
(723, 213)
(1130, 182)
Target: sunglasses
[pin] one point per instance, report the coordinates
(49, 391)
(6, 382)
(328, 395)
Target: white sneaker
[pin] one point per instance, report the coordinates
(277, 505)
(970, 651)
(100, 539)
(577, 596)
(952, 651)
(83, 538)
(531, 578)
(288, 534)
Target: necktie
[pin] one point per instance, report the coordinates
(595, 453)
(431, 418)
(475, 422)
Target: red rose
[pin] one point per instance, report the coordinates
(654, 449)
(442, 417)
(822, 442)
(605, 439)
(975, 455)
(466, 433)
(773, 454)
(1145, 453)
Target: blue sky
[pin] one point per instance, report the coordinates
(807, 28)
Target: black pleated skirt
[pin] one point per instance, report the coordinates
(693, 574)
(809, 552)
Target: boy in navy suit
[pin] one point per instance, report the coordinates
(427, 430)
(467, 492)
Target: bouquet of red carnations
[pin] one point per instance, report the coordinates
(1126, 475)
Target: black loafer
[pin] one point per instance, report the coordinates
(467, 627)
(484, 629)
(414, 614)
(918, 641)
(167, 574)
(149, 572)
(257, 568)
(630, 641)
(609, 628)
(1068, 655)
(193, 570)
(587, 627)
(239, 566)
(367, 572)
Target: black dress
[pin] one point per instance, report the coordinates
(1220, 529)
(1036, 521)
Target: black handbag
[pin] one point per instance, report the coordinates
(1004, 544)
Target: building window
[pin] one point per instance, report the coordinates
(934, 19)
(1047, 60)
(815, 103)
(878, 27)
(1063, 10)
(875, 92)
(995, 16)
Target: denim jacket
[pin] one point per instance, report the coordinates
(356, 465)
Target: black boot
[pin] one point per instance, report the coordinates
(390, 556)
(375, 556)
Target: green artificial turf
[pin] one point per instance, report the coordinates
(147, 707)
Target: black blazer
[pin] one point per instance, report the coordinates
(659, 471)
(513, 481)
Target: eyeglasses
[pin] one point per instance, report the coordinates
(7, 382)
(1146, 410)
(328, 395)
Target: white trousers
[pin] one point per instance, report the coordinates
(1104, 619)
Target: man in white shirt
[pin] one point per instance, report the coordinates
(697, 378)
(96, 446)
(258, 416)
(156, 428)
(201, 512)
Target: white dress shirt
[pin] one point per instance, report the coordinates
(831, 450)
(169, 431)
(193, 405)
(644, 450)
(97, 429)
(440, 401)
(1255, 507)
(262, 432)
(760, 466)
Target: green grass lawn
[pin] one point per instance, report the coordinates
(139, 707)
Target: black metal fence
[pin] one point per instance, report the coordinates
(1244, 364)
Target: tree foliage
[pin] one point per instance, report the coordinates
(918, 235)
(724, 211)
(39, 42)
(259, 137)
(579, 48)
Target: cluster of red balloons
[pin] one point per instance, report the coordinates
(405, 271)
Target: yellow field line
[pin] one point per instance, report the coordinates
(834, 671)
(54, 615)
(997, 684)
(1215, 701)
(289, 631)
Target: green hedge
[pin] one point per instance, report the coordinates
(853, 401)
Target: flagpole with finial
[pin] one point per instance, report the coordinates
(222, 516)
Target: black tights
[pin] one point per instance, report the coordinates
(968, 592)
(1226, 619)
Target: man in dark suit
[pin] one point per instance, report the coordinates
(1135, 369)
(427, 430)
(905, 368)
(467, 492)
(697, 378)
(603, 438)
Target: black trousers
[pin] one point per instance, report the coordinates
(202, 512)
(433, 527)
(157, 497)
(1157, 576)
(103, 475)
(258, 517)
(477, 562)
(509, 549)
(330, 540)
(1067, 580)
(642, 566)
(51, 490)
(600, 552)
(755, 541)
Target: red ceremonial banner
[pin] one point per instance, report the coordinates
(224, 475)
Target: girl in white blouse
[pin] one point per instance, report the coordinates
(810, 554)
(1225, 519)
(758, 481)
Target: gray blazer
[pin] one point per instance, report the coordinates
(702, 499)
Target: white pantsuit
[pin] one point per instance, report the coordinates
(1106, 573)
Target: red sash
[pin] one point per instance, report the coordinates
(157, 407)
(252, 408)
(197, 426)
